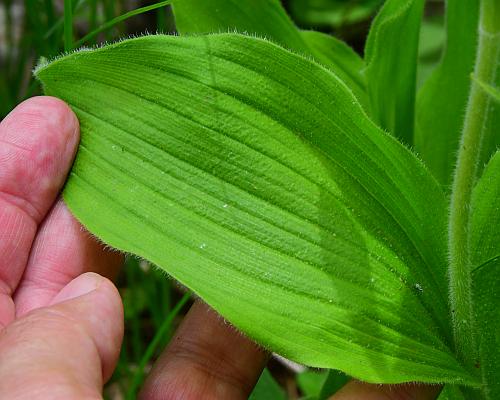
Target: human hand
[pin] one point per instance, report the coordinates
(61, 323)
(60, 331)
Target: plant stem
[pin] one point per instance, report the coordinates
(68, 25)
(465, 177)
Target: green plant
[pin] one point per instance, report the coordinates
(332, 13)
(254, 168)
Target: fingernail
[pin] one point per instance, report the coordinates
(79, 286)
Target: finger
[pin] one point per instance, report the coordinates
(62, 250)
(37, 144)
(356, 390)
(206, 359)
(67, 350)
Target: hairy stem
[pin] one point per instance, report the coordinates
(464, 180)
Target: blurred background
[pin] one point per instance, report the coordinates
(154, 305)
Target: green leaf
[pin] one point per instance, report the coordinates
(334, 381)
(332, 13)
(311, 382)
(451, 392)
(432, 39)
(264, 18)
(391, 58)
(252, 176)
(430, 49)
(443, 98)
(485, 246)
(267, 388)
(485, 224)
(486, 281)
(320, 385)
(341, 59)
(268, 19)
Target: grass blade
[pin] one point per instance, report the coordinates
(153, 346)
(439, 118)
(60, 22)
(391, 58)
(120, 18)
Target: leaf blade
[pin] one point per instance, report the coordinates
(391, 58)
(267, 388)
(487, 302)
(485, 224)
(332, 14)
(341, 59)
(264, 18)
(485, 250)
(439, 118)
(245, 195)
(269, 20)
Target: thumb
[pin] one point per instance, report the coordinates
(66, 350)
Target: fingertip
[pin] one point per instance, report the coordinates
(49, 112)
(59, 110)
(72, 345)
(80, 286)
(97, 300)
(111, 309)
(53, 116)
(39, 142)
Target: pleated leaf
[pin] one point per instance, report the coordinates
(391, 57)
(268, 19)
(264, 18)
(251, 175)
(341, 59)
(443, 98)
(485, 246)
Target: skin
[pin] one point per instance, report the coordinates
(61, 317)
